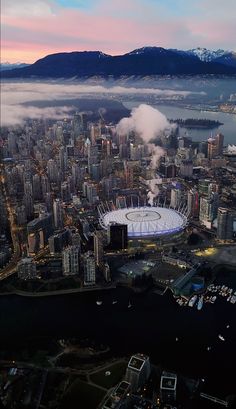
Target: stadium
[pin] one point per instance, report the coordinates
(145, 222)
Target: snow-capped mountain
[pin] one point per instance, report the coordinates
(146, 50)
(145, 61)
(5, 66)
(211, 56)
(207, 55)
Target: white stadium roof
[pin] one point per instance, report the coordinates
(146, 221)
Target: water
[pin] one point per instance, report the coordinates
(151, 326)
(228, 129)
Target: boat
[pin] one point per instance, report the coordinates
(99, 302)
(114, 302)
(129, 305)
(227, 326)
(176, 339)
(192, 301)
(233, 299)
(221, 337)
(200, 303)
(208, 348)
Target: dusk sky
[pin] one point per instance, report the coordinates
(32, 29)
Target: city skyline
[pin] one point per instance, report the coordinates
(31, 30)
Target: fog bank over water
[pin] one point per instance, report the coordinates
(36, 99)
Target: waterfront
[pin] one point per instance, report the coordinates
(151, 326)
(176, 112)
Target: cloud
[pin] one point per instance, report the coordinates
(14, 94)
(45, 26)
(17, 114)
(146, 121)
(27, 8)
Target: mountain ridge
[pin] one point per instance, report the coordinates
(139, 62)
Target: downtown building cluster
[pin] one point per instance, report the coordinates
(56, 174)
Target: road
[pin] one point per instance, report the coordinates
(11, 267)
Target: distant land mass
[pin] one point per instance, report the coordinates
(146, 61)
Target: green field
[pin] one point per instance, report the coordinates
(117, 372)
(82, 395)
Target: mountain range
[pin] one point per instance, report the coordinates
(140, 62)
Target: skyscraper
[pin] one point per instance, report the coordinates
(70, 260)
(138, 371)
(168, 387)
(26, 269)
(225, 224)
(57, 214)
(89, 269)
(118, 236)
(98, 247)
(193, 203)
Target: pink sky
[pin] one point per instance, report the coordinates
(32, 29)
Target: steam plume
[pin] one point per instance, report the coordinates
(148, 123)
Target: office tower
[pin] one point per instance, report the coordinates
(65, 192)
(225, 224)
(58, 241)
(215, 146)
(175, 198)
(57, 214)
(168, 386)
(37, 191)
(26, 269)
(62, 159)
(92, 156)
(138, 371)
(193, 203)
(95, 172)
(70, 260)
(91, 193)
(168, 170)
(208, 209)
(45, 185)
(186, 168)
(98, 247)
(12, 144)
(39, 230)
(118, 236)
(52, 171)
(203, 186)
(29, 205)
(21, 218)
(89, 269)
(220, 143)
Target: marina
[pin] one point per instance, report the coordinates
(199, 300)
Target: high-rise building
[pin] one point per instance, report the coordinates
(186, 168)
(98, 247)
(208, 209)
(26, 269)
(89, 269)
(175, 198)
(225, 224)
(52, 170)
(118, 236)
(168, 386)
(57, 214)
(58, 241)
(193, 203)
(65, 192)
(138, 371)
(70, 260)
(215, 146)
